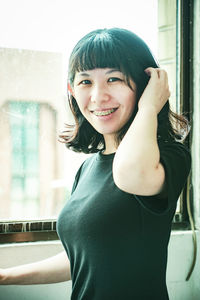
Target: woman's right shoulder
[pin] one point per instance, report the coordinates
(85, 165)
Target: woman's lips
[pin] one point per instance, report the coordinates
(104, 112)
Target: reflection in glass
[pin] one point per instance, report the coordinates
(39, 171)
(24, 120)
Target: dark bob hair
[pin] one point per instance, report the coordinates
(121, 49)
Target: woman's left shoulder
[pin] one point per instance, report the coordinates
(175, 153)
(174, 146)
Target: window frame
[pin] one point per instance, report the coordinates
(185, 75)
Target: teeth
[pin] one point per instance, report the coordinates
(104, 112)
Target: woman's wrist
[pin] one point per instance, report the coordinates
(4, 276)
(13, 276)
(148, 108)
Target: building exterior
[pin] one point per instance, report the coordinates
(31, 115)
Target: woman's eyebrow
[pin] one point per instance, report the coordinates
(83, 74)
(112, 71)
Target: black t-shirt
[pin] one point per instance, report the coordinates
(117, 242)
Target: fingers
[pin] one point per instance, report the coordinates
(158, 82)
(152, 71)
(156, 71)
(162, 74)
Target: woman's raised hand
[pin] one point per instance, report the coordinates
(157, 91)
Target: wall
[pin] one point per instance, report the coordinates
(179, 262)
(15, 254)
(167, 43)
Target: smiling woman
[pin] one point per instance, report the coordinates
(119, 98)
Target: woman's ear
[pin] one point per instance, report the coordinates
(69, 89)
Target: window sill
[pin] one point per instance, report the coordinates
(28, 231)
(45, 230)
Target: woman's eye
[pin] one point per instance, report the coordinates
(85, 81)
(113, 79)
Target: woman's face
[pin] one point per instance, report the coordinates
(104, 98)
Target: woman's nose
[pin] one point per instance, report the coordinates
(99, 94)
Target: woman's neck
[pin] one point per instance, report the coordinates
(110, 144)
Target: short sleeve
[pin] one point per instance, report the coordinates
(176, 160)
(76, 179)
(86, 163)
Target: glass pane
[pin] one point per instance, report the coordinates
(31, 190)
(17, 190)
(17, 163)
(33, 72)
(16, 118)
(17, 139)
(31, 138)
(31, 163)
(31, 114)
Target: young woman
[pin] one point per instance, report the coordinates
(116, 226)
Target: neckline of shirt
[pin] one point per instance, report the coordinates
(103, 157)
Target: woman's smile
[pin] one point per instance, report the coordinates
(104, 112)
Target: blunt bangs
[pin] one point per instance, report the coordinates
(100, 51)
(113, 48)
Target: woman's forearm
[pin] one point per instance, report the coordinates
(139, 146)
(136, 167)
(51, 270)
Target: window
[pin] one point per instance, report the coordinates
(176, 29)
(39, 171)
(24, 132)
